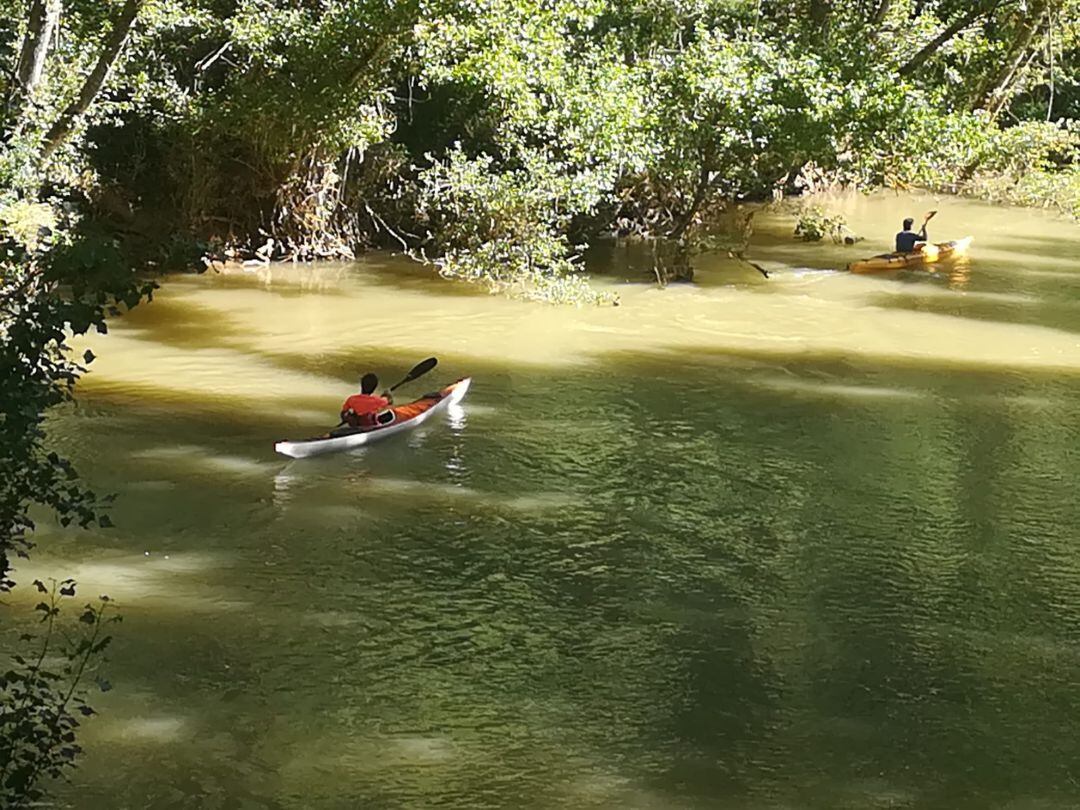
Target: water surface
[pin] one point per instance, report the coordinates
(809, 542)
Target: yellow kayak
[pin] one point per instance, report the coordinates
(926, 253)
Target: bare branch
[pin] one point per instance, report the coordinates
(996, 90)
(204, 63)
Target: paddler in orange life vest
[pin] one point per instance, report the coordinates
(360, 409)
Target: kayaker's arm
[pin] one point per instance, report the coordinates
(922, 233)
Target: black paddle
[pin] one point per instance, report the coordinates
(419, 370)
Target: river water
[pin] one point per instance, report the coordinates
(805, 542)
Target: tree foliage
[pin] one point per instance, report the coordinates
(40, 701)
(60, 275)
(333, 125)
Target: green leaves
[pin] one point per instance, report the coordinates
(40, 696)
(335, 125)
(814, 224)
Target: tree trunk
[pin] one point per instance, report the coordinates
(932, 47)
(820, 17)
(880, 13)
(1013, 84)
(60, 130)
(44, 18)
(700, 193)
(995, 91)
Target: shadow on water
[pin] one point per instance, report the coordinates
(1062, 248)
(184, 324)
(293, 281)
(1063, 316)
(281, 280)
(753, 578)
(404, 275)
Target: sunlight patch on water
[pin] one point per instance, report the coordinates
(1057, 275)
(1023, 401)
(533, 502)
(171, 451)
(161, 581)
(153, 371)
(328, 514)
(159, 730)
(299, 493)
(418, 749)
(614, 790)
(942, 293)
(353, 754)
(333, 618)
(150, 486)
(838, 390)
(237, 464)
(309, 416)
(204, 457)
(877, 794)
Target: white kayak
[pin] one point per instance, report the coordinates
(405, 417)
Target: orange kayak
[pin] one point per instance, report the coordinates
(927, 253)
(398, 418)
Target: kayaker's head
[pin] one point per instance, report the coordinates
(368, 383)
(908, 223)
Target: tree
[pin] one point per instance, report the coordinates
(92, 85)
(57, 277)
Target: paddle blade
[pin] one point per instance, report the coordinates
(419, 370)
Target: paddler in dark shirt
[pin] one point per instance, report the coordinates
(360, 409)
(906, 239)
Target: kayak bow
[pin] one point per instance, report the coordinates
(927, 254)
(406, 417)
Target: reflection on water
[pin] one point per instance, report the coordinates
(809, 542)
(457, 417)
(959, 273)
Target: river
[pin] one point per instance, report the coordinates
(804, 542)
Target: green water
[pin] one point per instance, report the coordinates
(811, 542)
